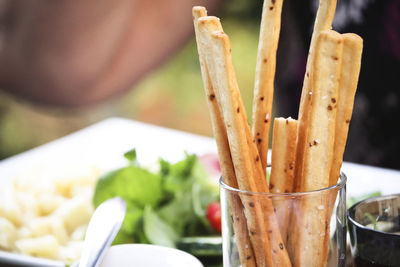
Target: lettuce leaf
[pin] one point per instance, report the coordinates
(157, 230)
(133, 183)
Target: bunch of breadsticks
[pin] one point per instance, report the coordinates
(306, 153)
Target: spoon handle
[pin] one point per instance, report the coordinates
(101, 231)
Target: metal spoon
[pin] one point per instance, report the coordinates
(102, 229)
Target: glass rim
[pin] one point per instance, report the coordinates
(352, 210)
(341, 183)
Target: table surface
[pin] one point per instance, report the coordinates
(103, 144)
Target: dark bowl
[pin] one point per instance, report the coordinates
(380, 246)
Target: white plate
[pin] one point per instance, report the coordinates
(143, 255)
(103, 144)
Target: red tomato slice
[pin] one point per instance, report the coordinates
(213, 215)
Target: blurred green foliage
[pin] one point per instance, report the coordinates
(248, 11)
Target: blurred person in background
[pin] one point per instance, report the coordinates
(374, 134)
(74, 53)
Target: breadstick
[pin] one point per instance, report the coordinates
(307, 242)
(228, 95)
(215, 114)
(280, 256)
(262, 108)
(323, 21)
(283, 156)
(351, 63)
(245, 250)
(223, 81)
(265, 73)
(352, 50)
(282, 168)
(274, 247)
(321, 128)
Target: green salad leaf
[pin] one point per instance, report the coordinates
(162, 206)
(157, 230)
(131, 156)
(135, 184)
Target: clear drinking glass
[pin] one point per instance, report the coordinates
(306, 228)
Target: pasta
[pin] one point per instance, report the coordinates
(44, 213)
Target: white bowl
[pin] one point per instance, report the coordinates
(137, 255)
